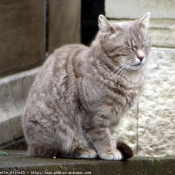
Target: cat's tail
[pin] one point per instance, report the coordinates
(125, 150)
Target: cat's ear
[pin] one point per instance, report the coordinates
(144, 21)
(104, 25)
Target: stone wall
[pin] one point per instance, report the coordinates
(150, 127)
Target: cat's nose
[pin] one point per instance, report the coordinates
(140, 58)
(140, 55)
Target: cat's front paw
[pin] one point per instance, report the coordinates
(86, 153)
(111, 155)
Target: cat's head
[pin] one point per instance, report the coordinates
(125, 43)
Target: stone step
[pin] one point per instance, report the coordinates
(18, 162)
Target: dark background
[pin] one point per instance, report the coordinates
(90, 10)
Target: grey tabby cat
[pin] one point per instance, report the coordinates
(81, 93)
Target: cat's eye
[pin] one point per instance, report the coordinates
(133, 48)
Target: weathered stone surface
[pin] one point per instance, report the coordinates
(13, 93)
(137, 8)
(64, 23)
(18, 162)
(150, 127)
(128, 131)
(22, 35)
(157, 106)
(162, 33)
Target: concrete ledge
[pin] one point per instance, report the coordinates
(18, 162)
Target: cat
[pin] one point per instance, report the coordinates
(80, 94)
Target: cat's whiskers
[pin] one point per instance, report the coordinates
(125, 68)
(147, 65)
(113, 72)
(122, 70)
(118, 71)
(147, 60)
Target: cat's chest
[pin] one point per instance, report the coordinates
(124, 89)
(120, 102)
(112, 98)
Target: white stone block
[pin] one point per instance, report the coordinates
(13, 93)
(137, 8)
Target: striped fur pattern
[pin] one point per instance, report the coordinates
(81, 93)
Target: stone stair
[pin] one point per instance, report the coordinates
(18, 162)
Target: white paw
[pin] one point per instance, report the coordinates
(111, 155)
(92, 153)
